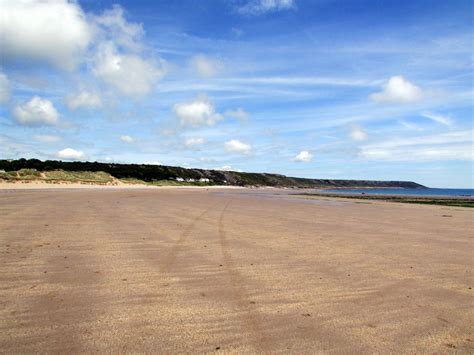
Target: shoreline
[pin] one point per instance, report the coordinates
(452, 201)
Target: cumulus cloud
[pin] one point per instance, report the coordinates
(205, 66)
(191, 142)
(46, 138)
(70, 154)
(112, 25)
(398, 90)
(127, 139)
(129, 74)
(358, 134)
(259, 7)
(197, 112)
(303, 156)
(5, 92)
(239, 114)
(84, 99)
(36, 112)
(52, 31)
(443, 119)
(236, 146)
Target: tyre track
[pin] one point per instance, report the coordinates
(170, 258)
(247, 310)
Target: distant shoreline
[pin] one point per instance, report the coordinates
(454, 201)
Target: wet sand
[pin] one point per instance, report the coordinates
(169, 270)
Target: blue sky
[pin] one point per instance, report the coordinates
(323, 89)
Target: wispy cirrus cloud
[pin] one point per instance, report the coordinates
(448, 146)
(47, 138)
(5, 89)
(260, 7)
(205, 66)
(193, 141)
(437, 117)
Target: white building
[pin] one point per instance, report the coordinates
(180, 179)
(204, 180)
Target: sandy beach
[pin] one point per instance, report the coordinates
(169, 270)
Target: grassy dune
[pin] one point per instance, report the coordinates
(84, 177)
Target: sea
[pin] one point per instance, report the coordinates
(405, 192)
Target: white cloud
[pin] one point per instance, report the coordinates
(84, 99)
(259, 7)
(227, 168)
(224, 168)
(113, 26)
(448, 146)
(5, 92)
(398, 90)
(239, 114)
(206, 160)
(127, 139)
(358, 134)
(205, 66)
(128, 73)
(46, 138)
(236, 146)
(70, 154)
(197, 112)
(445, 120)
(303, 81)
(411, 126)
(36, 112)
(190, 142)
(303, 156)
(52, 31)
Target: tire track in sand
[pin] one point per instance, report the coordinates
(170, 258)
(247, 310)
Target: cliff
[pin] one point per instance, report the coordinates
(150, 173)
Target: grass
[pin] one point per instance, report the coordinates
(78, 176)
(86, 177)
(57, 176)
(21, 175)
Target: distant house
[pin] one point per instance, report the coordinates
(204, 180)
(180, 179)
(190, 180)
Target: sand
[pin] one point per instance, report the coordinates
(176, 270)
(42, 185)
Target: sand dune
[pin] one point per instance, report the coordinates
(169, 270)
